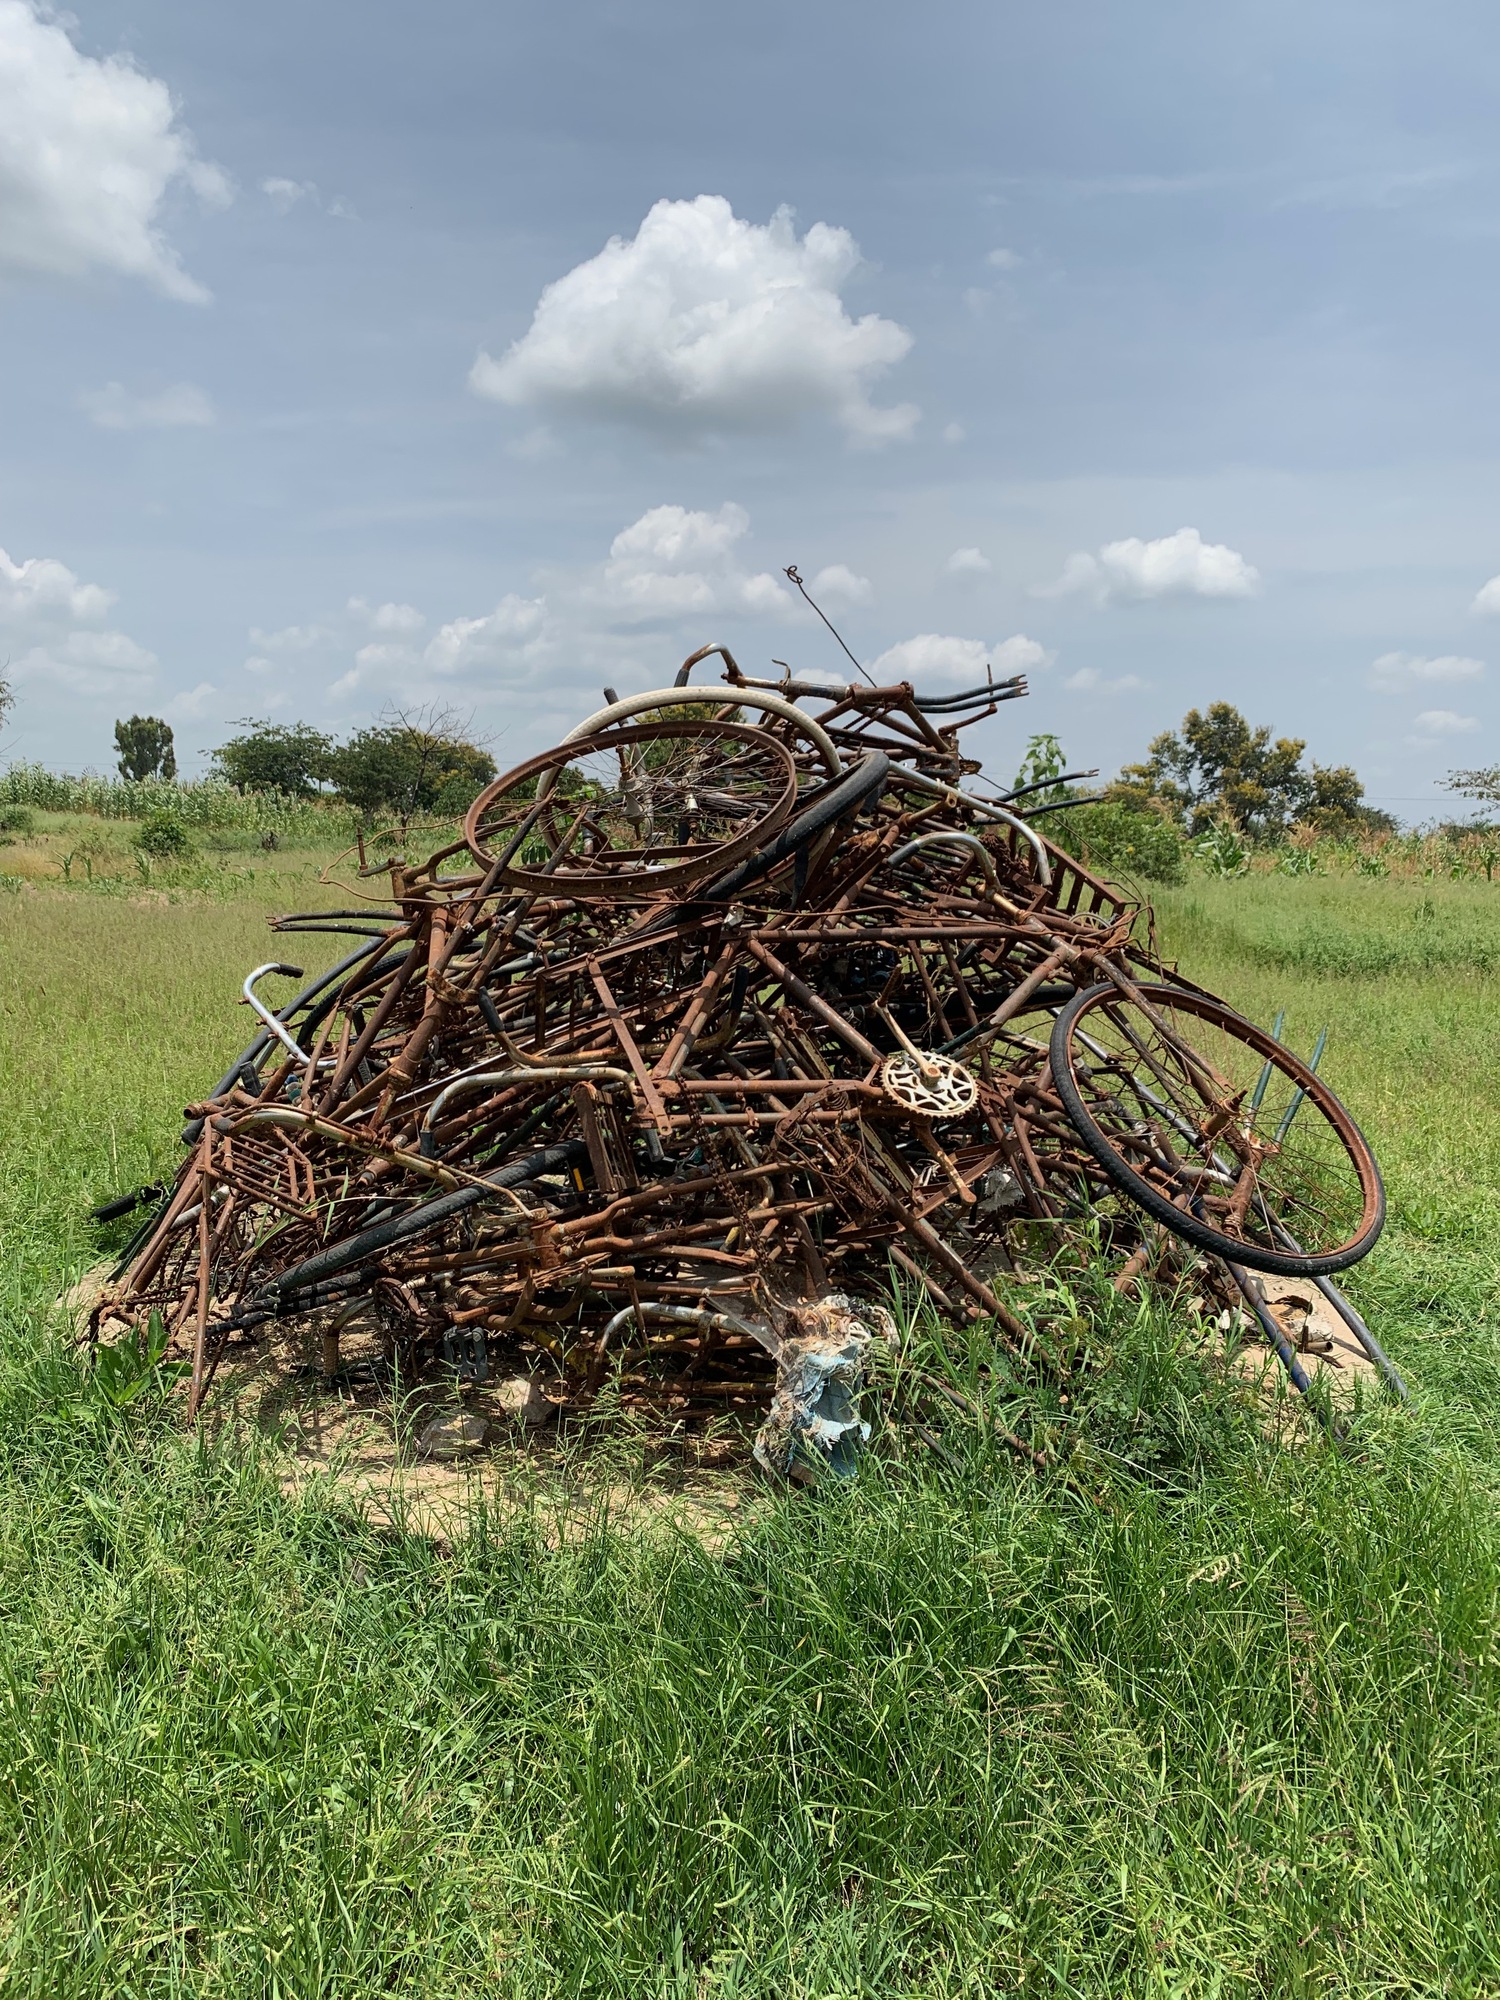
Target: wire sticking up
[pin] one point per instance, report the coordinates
(791, 573)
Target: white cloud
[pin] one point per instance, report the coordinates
(674, 560)
(954, 433)
(284, 196)
(968, 562)
(88, 150)
(1180, 565)
(534, 663)
(1488, 599)
(52, 628)
(839, 584)
(192, 705)
(1396, 672)
(383, 652)
(934, 655)
(1089, 680)
(502, 640)
(402, 620)
(1445, 722)
(41, 585)
(1003, 260)
(704, 322)
(113, 408)
(291, 638)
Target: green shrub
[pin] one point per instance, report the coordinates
(276, 757)
(400, 770)
(164, 837)
(1221, 850)
(1116, 839)
(17, 819)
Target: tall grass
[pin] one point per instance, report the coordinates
(203, 803)
(1357, 927)
(1228, 1726)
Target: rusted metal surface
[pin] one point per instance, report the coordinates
(739, 1002)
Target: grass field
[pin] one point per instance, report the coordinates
(957, 1731)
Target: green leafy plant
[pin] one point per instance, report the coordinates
(1043, 764)
(1116, 839)
(17, 819)
(163, 836)
(1220, 764)
(1221, 851)
(1298, 860)
(134, 1366)
(410, 766)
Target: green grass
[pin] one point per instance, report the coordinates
(956, 1731)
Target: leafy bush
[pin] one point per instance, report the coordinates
(164, 837)
(402, 769)
(17, 819)
(1298, 860)
(1221, 850)
(1116, 839)
(293, 758)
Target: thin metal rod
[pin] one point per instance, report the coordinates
(1265, 1076)
(1270, 1326)
(1363, 1335)
(791, 573)
(1296, 1104)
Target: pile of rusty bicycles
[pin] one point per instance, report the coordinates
(740, 1003)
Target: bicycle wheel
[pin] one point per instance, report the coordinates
(1216, 1130)
(632, 810)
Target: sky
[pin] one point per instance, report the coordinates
(368, 358)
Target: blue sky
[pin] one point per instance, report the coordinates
(1150, 350)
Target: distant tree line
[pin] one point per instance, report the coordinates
(1216, 775)
(1217, 768)
(397, 769)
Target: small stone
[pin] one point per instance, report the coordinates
(453, 1436)
(521, 1397)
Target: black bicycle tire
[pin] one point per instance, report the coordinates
(844, 795)
(417, 1221)
(839, 799)
(1139, 1189)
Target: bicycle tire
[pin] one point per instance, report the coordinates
(1066, 1063)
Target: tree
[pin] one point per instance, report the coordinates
(411, 765)
(289, 757)
(1482, 785)
(7, 699)
(1336, 805)
(1219, 766)
(145, 747)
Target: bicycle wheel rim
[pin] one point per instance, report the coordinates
(543, 814)
(1329, 1176)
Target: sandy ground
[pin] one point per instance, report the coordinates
(363, 1441)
